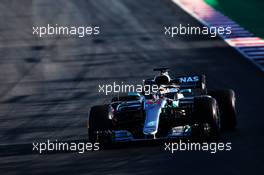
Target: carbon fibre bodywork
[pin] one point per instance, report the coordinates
(167, 113)
(171, 112)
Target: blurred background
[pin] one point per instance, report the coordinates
(47, 85)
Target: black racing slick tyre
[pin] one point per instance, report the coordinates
(226, 100)
(99, 124)
(206, 114)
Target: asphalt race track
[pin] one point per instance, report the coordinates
(47, 86)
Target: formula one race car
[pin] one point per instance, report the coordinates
(182, 107)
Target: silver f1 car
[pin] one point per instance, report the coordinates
(182, 107)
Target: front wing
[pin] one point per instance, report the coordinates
(178, 132)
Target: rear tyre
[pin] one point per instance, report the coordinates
(226, 100)
(100, 125)
(206, 114)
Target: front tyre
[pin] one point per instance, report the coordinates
(226, 100)
(206, 114)
(99, 124)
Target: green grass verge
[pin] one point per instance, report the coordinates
(247, 13)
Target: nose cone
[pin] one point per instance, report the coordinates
(153, 111)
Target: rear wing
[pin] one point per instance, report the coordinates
(185, 82)
(190, 82)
